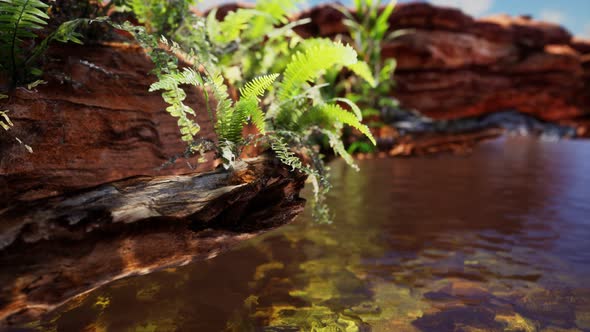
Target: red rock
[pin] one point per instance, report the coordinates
(451, 65)
(93, 123)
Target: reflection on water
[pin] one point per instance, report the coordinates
(495, 241)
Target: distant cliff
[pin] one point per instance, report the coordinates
(452, 66)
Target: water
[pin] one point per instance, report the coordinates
(495, 241)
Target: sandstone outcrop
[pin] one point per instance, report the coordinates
(451, 65)
(92, 123)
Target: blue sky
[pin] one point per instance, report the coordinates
(573, 14)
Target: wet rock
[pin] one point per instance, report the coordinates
(57, 248)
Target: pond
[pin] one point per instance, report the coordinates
(498, 240)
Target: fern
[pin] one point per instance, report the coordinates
(338, 146)
(170, 79)
(309, 65)
(251, 91)
(353, 107)
(287, 157)
(174, 95)
(334, 114)
(232, 120)
(230, 28)
(256, 87)
(362, 70)
(18, 20)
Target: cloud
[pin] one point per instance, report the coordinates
(552, 15)
(586, 31)
(471, 7)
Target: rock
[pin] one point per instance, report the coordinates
(57, 248)
(451, 65)
(92, 123)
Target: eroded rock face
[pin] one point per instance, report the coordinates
(57, 248)
(93, 122)
(452, 66)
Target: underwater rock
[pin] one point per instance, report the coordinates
(58, 248)
(452, 66)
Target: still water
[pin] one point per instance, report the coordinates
(498, 240)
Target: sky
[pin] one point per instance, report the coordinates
(573, 14)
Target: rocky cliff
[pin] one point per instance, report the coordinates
(452, 66)
(93, 122)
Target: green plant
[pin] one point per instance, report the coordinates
(159, 17)
(294, 115)
(246, 42)
(369, 27)
(231, 116)
(19, 50)
(300, 114)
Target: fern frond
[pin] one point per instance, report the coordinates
(18, 20)
(257, 118)
(235, 119)
(224, 103)
(334, 114)
(287, 157)
(353, 107)
(174, 95)
(256, 87)
(250, 93)
(228, 30)
(338, 147)
(278, 10)
(309, 65)
(362, 70)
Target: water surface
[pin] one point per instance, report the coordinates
(494, 241)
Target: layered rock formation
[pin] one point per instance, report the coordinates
(107, 192)
(54, 249)
(452, 66)
(93, 122)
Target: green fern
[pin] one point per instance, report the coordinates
(332, 115)
(159, 17)
(362, 70)
(287, 157)
(309, 65)
(174, 95)
(253, 90)
(232, 120)
(338, 146)
(230, 29)
(18, 20)
(170, 78)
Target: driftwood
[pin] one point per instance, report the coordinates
(55, 249)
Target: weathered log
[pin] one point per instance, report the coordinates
(57, 248)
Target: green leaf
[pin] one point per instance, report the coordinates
(362, 70)
(309, 65)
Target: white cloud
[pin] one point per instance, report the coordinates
(552, 15)
(471, 7)
(586, 31)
